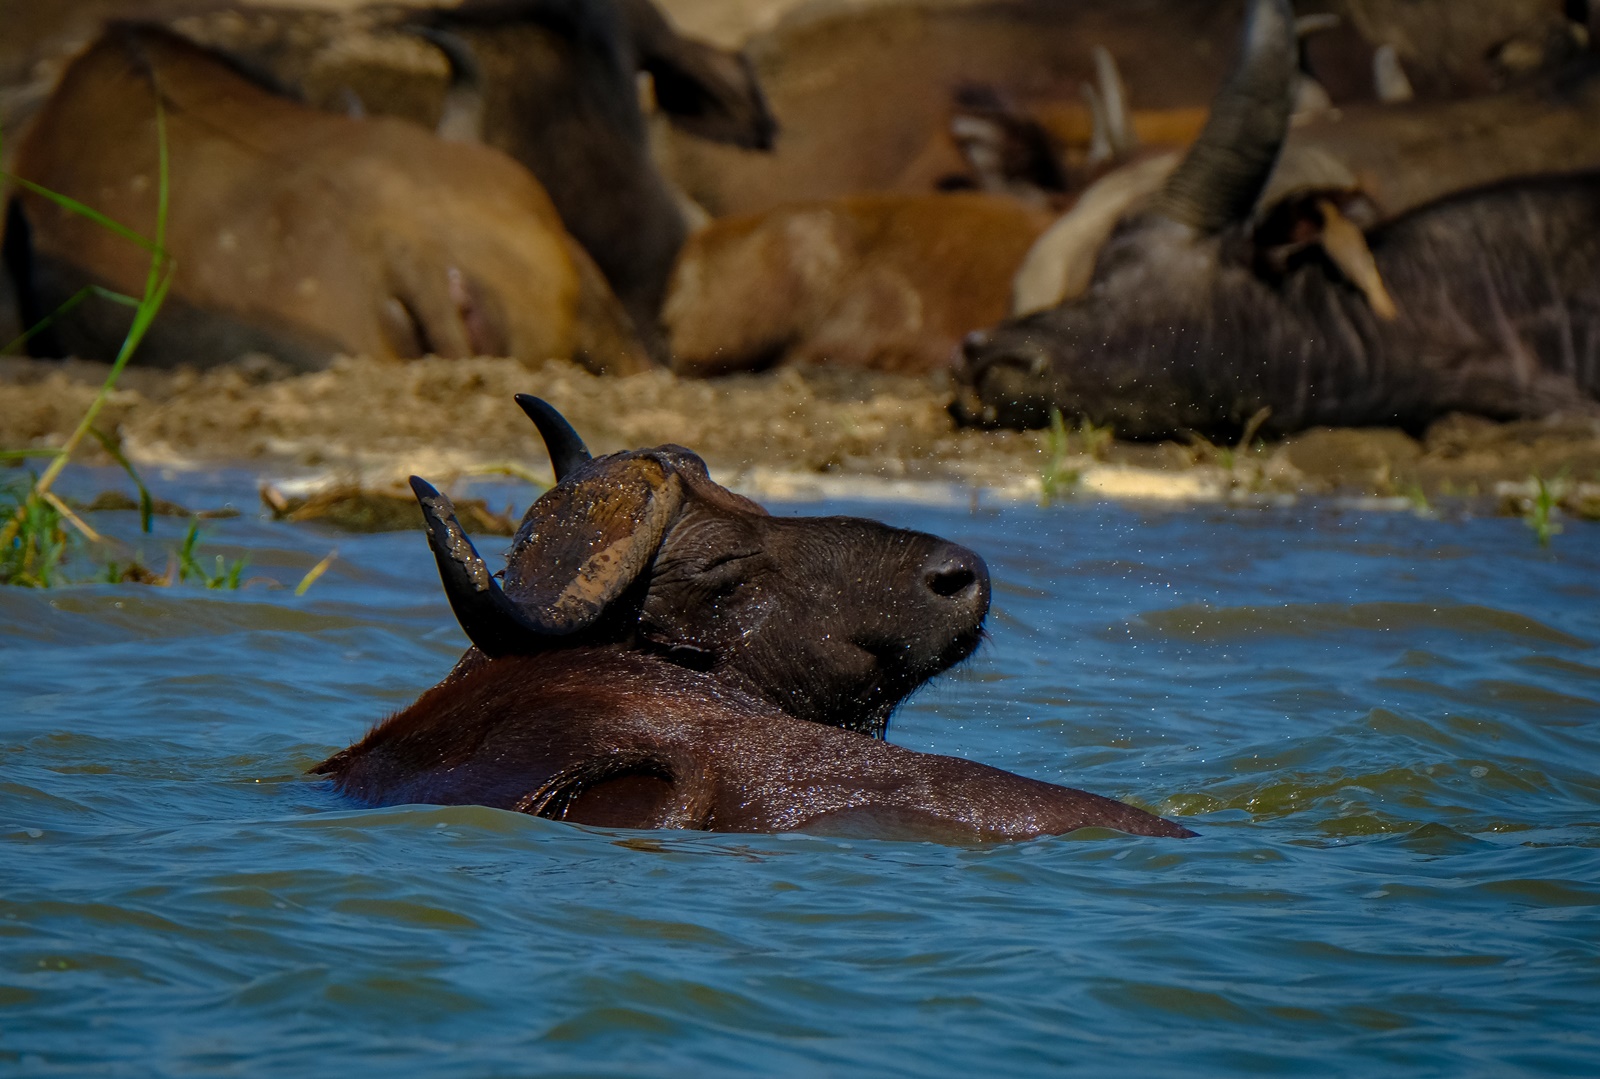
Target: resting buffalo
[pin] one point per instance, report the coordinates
(864, 91)
(889, 282)
(552, 83)
(1373, 161)
(295, 232)
(1198, 316)
(658, 648)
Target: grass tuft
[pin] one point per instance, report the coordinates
(1540, 515)
(1057, 479)
(40, 530)
(189, 568)
(28, 536)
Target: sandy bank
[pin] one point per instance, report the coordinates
(794, 434)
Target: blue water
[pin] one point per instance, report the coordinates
(1387, 729)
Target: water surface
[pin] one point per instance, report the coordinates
(1386, 727)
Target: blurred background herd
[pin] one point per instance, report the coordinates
(1164, 216)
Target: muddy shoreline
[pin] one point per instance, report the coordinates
(793, 433)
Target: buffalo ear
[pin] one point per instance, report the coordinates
(706, 91)
(587, 539)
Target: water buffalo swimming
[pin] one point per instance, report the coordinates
(665, 654)
(1199, 315)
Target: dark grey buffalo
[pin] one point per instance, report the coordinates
(1200, 314)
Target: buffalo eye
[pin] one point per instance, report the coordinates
(722, 576)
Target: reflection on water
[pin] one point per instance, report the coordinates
(1387, 730)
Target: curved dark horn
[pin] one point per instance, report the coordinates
(1221, 177)
(461, 117)
(491, 620)
(567, 450)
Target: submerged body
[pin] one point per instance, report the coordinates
(666, 655)
(609, 737)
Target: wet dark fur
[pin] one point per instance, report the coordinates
(831, 619)
(664, 654)
(609, 737)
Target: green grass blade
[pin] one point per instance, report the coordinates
(72, 205)
(187, 566)
(146, 503)
(163, 189)
(20, 537)
(66, 308)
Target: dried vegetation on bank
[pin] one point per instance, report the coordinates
(373, 422)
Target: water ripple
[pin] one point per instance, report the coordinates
(1384, 727)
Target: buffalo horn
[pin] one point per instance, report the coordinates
(1099, 132)
(1389, 81)
(461, 116)
(1306, 25)
(1114, 97)
(1223, 174)
(567, 450)
(1347, 246)
(488, 616)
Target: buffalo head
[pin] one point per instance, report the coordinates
(1126, 352)
(831, 619)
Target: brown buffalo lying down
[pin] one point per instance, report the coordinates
(554, 84)
(862, 89)
(605, 692)
(889, 282)
(296, 233)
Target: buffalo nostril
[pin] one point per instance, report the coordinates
(951, 582)
(951, 576)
